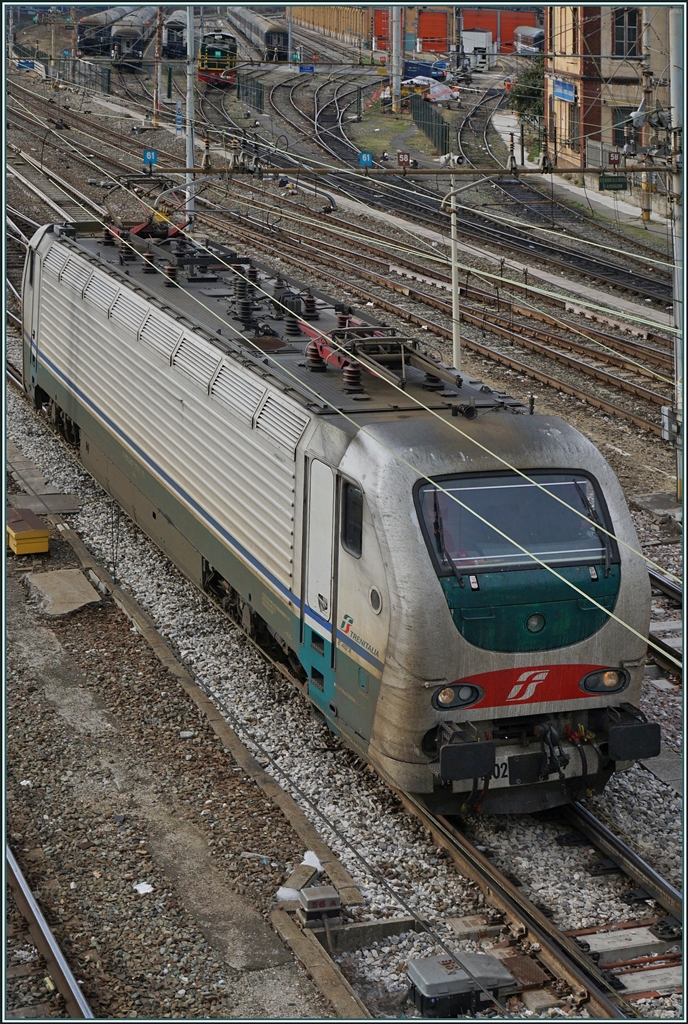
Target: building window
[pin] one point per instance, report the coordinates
(576, 34)
(574, 126)
(622, 126)
(625, 32)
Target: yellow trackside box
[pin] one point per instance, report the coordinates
(26, 533)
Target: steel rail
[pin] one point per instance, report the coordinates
(666, 585)
(621, 382)
(59, 181)
(45, 941)
(68, 218)
(517, 239)
(529, 337)
(560, 954)
(662, 356)
(631, 864)
(540, 198)
(665, 654)
(484, 350)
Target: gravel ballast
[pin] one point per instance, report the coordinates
(353, 799)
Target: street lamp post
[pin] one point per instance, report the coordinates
(456, 299)
(456, 302)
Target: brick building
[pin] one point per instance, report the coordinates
(594, 66)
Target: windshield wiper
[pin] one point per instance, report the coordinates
(601, 533)
(439, 538)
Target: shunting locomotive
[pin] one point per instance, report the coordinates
(217, 58)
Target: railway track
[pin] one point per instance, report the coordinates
(62, 978)
(425, 208)
(671, 644)
(489, 321)
(601, 988)
(539, 206)
(60, 195)
(562, 960)
(611, 347)
(538, 341)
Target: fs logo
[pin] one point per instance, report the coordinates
(533, 678)
(347, 623)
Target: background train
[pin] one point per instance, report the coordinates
(94, 31)
(357, 509)
(271, 37)
(174, 35)
(130, 35)
(529, 40)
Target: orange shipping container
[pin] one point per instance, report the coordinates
(381, 28)
(432, 31)
(501, 23)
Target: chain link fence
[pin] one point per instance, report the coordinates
(430, 122)
(250, 92)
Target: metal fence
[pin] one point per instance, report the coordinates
(29, 53)
(90, 76)
(250, 92)
(431, 122)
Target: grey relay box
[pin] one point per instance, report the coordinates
(441, 986)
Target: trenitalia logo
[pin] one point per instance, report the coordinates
(347, 623)
(526, 685)
(511, 687)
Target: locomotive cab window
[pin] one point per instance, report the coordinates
(352, 519)
(493, 523)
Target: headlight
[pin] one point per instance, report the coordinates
(535, 622)
(458, 695)
(609, 680)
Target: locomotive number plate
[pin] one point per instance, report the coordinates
(517, 770)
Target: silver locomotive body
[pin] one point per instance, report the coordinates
(358, 510)
(474, 707)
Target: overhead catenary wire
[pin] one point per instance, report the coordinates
(572, 328)
(433, 413)
(396, 455)
(392, 185)
(632, 318)
(488, 451)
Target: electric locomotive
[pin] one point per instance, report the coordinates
(445, 576)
